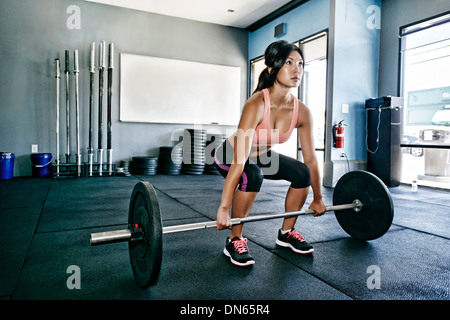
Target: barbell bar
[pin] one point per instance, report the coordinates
(125, 235)
(362, 204)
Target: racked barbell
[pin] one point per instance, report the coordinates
(364, 204)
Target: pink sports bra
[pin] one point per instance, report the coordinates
(266, 136)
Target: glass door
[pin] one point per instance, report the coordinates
(425, 86)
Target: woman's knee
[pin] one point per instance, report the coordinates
(252, 179)
(301, 176)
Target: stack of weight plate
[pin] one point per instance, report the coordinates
(123, 169)
(194, 144)
(170, 160)
(144, 165)
(125, 164)
(213, 141)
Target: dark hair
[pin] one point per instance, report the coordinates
(275, 56)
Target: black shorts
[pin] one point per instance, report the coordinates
(270, 165)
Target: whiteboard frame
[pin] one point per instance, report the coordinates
(161, 90)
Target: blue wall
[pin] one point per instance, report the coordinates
(355, 71)
(305, 20)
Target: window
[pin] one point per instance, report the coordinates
(425, 86)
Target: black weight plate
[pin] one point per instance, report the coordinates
(169, 162)
(144, 159)
(193, 169)
(170, 172)
(145, 255)
(169, 156)
(144, 167)
(188, 170)
(194, 165)
(169, 166)
(192, 172)
(169, 159)
(199, 169)
(377, 213)
(169, 149)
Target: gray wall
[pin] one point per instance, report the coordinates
(34, 33)
(395, 14)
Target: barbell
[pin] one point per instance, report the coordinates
(361, 202)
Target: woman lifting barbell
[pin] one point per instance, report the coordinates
(245, 158)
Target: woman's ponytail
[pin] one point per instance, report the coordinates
(265, 80)
(274, 57)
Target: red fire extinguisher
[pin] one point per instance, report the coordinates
(338, 133)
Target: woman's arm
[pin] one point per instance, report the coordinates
(306, 137)
(252, 115)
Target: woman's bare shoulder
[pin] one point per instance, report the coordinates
(255, 105)
(304, 114)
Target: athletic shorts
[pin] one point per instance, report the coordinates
(270, 165)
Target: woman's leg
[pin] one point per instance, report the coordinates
(242, 204)
(298, 174)
(295, 199)
(249, 185)
(245, 195)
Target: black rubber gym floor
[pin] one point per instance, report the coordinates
(45, 225)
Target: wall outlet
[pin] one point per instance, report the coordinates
(34, 148)
(342, 155)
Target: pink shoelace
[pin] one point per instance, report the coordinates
(294, 234)
(240, 245)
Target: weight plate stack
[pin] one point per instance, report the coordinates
(194, 144)
(144, 165)
(213, 141)
(170, 160)
(123, 169)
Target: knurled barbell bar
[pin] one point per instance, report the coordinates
(364, 204)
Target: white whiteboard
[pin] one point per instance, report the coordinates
(160, 90)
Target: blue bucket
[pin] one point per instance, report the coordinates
(41, 164)
(6, 165)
